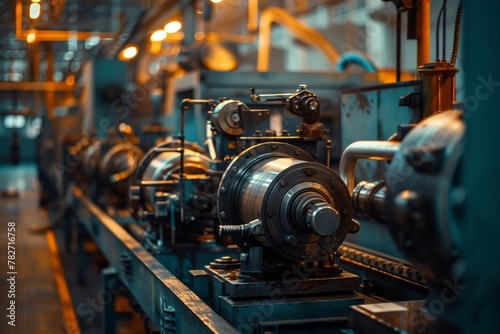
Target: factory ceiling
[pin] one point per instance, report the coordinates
(71, 29)
(67, 32)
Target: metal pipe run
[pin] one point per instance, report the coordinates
(371, 150)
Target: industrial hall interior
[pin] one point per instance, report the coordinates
(246, 166)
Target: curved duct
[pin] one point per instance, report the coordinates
(299, 30)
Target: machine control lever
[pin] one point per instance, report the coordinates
(302, 103)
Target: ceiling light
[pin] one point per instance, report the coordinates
(128, 53)
(31, 37)
(35, 10)
(172, 27)
(92, 41)
(70, 80)
(216, 1)
(69, 55)
(158, 36)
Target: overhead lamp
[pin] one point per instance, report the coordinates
(172, 27)
(70, 80)
(31, 37)
(216, 1)
(35, 10)
(92, 41)
(35, 0)
(14, 121)
(128, 52)
(158, 36)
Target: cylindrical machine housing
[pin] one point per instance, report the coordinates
(304, 206)
(422, 192)
(118, 165)
(368, 200)
(166, 166)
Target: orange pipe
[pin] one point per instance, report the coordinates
(424, 38)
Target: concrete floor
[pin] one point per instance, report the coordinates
(49, 296)
(38, 307)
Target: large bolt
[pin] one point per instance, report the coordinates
(322, 218)
(252, 228)
(313, 105)
(290, 239)
(235, 117)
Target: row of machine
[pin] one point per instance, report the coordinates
(260, 228)
(329, 208)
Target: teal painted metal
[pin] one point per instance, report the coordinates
(478, 218)
(110, 77)
(171, 306)
(248, 316)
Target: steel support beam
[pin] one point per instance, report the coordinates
(172, 306)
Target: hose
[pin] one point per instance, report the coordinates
(456, 33)
(300, 31)
(441, 11)
(355, 58)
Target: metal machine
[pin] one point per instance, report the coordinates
(104, 168)
(424, 162)
(274, 195)
(266, 235)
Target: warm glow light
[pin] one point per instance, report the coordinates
(70, 80)
(216, 1)
(199, 35)
(35, 0)
(35, 10)
(172, 27)
(31, 37)
(130, 52)
(158, 36)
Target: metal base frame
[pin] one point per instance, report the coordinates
(171, 306)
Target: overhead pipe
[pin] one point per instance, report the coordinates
(299, 30)
(252, 27)
(53, 35)
(424, 35)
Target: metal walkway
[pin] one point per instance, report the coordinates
(42, 302)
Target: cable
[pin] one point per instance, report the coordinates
(444, 26)
(398, 46)
(437, 28)
(456, 33)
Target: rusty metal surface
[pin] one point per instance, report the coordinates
(285, 285)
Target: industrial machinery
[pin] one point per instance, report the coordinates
(273, 194)
(425, 161)
(363, 202)
(104, 168)
(265, 234)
